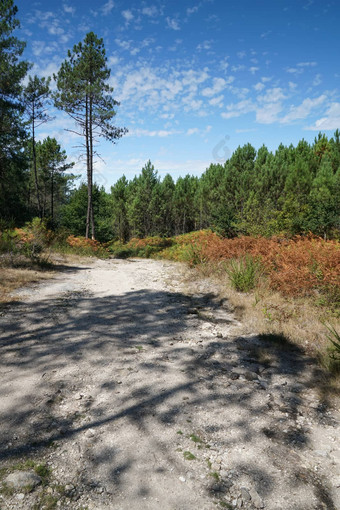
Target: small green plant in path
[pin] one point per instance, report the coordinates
(195, 438)
(244, 273)
(189, 456)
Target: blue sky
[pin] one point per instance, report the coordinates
(197, 78)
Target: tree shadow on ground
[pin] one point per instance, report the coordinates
(59, 347)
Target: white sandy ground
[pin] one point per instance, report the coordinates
(108, 369)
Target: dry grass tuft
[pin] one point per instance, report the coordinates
(12, 279)
(296, 319)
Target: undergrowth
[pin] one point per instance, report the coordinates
(291, 285)
(244, 273)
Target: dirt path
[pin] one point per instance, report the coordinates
(136, 388)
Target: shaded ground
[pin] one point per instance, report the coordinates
(136, 389)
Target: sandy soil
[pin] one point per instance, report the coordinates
(133, 382)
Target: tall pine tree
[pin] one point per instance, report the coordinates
(84, 94)
(13, 176)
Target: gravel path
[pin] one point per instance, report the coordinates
(133, 384)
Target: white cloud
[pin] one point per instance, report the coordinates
(191, 104)
(224, 64)
(217, 101)
(253, 69)
(294, 70)
(331, 121)
(273, 95)
(192, 10)
(172, 23)
(268, 113)
(317, 80)
(192, 131)
(125, 45)
(292, 85)
(107, 8)
(38, 47)
(237, 109)
(112, 61)
(306, 64)
(69, 9)
(241, 54)
(303, 110)
(258, 87)
(219, 84)
(151, 11)
(238, 68)
(205, 45)
(162, 133)
(127, 15)
(167, 116)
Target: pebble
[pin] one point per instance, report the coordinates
(245, 494)
(21, 479)
(182, 479)
(256, 499)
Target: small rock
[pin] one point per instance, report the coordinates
(256, 499)
(321, 453)
(245, 494)
(90, 433)
(21, 479)
(192, 311)
(20, 496)
(219, 335)
(181, 479)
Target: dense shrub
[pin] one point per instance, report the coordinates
(297, 266)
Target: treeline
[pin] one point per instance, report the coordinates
(33, 174)
(33, 178)
(292, 191)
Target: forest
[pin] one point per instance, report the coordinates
(294, 190)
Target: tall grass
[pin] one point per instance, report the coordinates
(244, 273)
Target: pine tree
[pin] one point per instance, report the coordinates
(84, 94)
(35, 95)
(51, 162)
(13, 177)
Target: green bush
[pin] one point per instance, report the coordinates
(244, 273)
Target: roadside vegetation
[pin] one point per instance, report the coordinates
(264, 223)
(282, 287)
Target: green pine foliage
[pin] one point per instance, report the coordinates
(294, 190)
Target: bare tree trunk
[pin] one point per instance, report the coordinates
(91, 162)
(88, 167)
(35, 166)
(52, 195)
